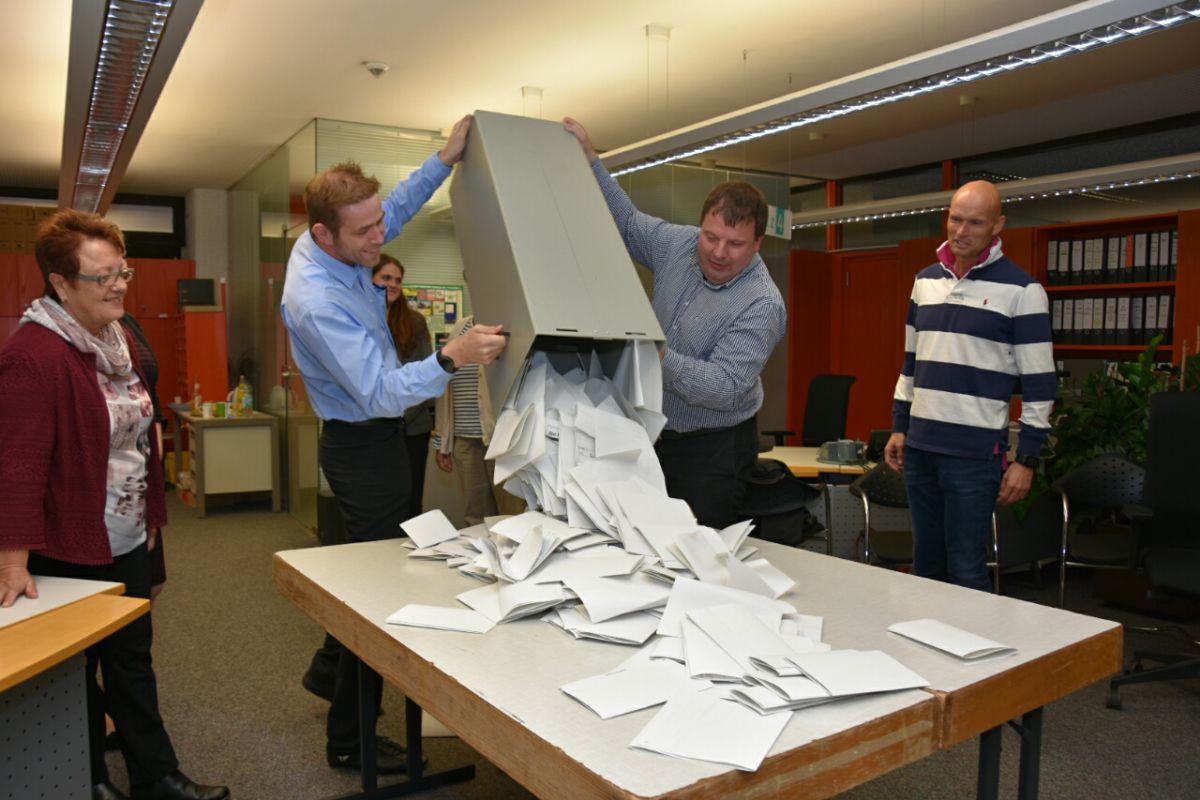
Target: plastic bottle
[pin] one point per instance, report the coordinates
(197, 398)
(243, 398)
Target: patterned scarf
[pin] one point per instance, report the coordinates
(110, 347)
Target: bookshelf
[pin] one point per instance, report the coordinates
(1114, 284)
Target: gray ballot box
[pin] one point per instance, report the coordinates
(541, 253)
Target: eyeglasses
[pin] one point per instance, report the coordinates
(390, 280)
(106, 280)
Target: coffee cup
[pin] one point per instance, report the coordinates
(206, 410)
(219, 410)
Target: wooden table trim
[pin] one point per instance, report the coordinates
(983, 705)
(31, 646)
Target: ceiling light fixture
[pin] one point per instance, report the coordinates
(1079, 182)
(1076, 29)
(121, 53)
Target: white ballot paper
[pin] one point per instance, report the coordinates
(688, 594)
(706, 727)
(633, 688)
(441, 618)
(429, 529)
(949, 639)
(847, 672)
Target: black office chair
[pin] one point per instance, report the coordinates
(1102, 486)
(824, 411)
(883, 486)
(1166, 527)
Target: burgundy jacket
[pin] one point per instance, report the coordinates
(54, 449)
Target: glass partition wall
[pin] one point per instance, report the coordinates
(266, 213)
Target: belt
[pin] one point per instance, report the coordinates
(365, 423)
(670, 435)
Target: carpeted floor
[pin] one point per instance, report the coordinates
(229, 653)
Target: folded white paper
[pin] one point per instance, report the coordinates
(429, 529)
(441, 618)
(949, 639)
(632, 689)
(707, 727)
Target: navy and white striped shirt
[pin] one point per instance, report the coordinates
(718, 337)
(969, 345)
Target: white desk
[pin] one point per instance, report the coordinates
(499, 692)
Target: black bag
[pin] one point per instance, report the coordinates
(778, 501)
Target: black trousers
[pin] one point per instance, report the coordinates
(130, 693)
(367, 469)
(708, 469)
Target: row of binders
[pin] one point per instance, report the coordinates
(1133, 258)
(1113, 319)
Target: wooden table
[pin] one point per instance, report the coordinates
(499, 691)
(234, 454)
(43, 704)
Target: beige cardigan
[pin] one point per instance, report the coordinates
(443, 414)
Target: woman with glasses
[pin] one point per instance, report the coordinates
(81, 482)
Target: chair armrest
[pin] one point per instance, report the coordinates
(778, 436)
(1138, 513)
(1140, 517)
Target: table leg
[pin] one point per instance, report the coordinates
(828, 519)
(989, 765)
(1031, 754)
(417, 781)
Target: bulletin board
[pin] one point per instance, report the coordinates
(441, 305)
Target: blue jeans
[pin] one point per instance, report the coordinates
(951, 499)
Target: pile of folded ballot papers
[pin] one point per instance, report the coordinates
(605, 554)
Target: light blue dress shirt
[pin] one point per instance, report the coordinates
(719, 337)
(337, 319)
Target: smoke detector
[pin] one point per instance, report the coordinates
(376, 68)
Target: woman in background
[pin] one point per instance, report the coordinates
(81, 482)
(410, 332)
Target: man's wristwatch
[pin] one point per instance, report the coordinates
(1026, 460)
(446, 361)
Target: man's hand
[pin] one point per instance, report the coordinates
(445, 461)
(893, 452)
(480, 345)
(15, 579)
(452, 152)
(1015, 483)
(580, 133)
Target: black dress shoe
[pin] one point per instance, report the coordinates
(177, 786)
(390, 757)
(318, 684)
(106, 791)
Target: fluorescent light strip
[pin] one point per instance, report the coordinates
(850, 216)
(131, 35)
(1091, 39)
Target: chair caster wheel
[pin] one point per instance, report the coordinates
(1114, 698)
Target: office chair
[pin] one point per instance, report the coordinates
(1105, 484)
(1029, 541)
(883, 486)
(1165, 527)
(824, 411)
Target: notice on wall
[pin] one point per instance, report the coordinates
(440, 305)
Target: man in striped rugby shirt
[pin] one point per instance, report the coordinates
(978, 331)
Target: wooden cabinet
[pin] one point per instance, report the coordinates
(154, 292)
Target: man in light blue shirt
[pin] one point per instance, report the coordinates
(723, 315)
(337, 319)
